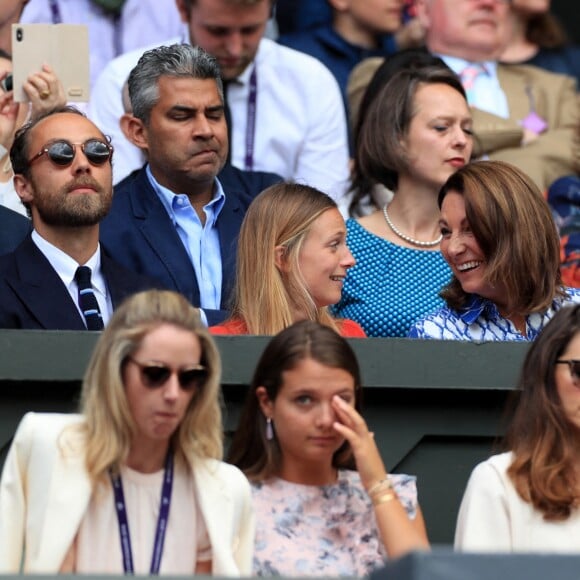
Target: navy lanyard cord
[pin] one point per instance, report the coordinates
(251, 121)
(121, 509)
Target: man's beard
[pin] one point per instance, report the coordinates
(67, 209)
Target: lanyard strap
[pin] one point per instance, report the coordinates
(164, 505)
(55, 12)
(251, 120)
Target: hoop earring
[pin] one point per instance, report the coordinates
(269, 429)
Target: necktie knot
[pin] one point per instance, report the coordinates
(83, 277)
(468, 77)
(87, 299)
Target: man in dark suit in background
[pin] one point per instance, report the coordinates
(13, 229)
(58, 277)
(175, 220)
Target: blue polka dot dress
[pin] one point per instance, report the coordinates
(390, 286)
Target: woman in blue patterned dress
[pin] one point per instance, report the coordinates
(415, 134)
(502, 245)
(299, 437)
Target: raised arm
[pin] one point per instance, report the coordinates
(398, 532)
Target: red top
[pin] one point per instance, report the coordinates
(347, 328)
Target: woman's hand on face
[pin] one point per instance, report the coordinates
(45, 91)
(354, 429)
(8, 116)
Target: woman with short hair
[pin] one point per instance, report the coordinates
(416, 132)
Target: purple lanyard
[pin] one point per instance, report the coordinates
(251, 122)
(55, 11)
(121, 509)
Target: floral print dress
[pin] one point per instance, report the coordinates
(330, 530)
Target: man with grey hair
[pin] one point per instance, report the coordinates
(522, 114)
(287, 114)
(173, 220)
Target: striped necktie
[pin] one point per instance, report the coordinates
(87, 299)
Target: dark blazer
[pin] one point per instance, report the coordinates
(33, 296)
(140, 234)
(13, 229)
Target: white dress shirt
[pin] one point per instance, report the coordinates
(66, 267)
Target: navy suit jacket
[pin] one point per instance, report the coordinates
(139, 233)
(33, 296)
(13, 229)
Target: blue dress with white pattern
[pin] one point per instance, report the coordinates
(480, 320)
(390, 286)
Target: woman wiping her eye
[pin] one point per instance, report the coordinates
(325, 504)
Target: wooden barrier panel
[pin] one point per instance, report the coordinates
(435, 407)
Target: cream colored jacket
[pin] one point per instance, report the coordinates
(45, 491)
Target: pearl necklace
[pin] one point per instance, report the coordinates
(406, 237)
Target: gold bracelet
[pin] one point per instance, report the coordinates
(382, 485)
(385, 498)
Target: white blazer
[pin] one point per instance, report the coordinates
(45, 492)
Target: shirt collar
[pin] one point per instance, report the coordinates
(475, 307)
(169, 198)
(66, 267)
(458, 64)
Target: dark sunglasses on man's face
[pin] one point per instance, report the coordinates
(574, 366)
(156, 375)
(62, 152)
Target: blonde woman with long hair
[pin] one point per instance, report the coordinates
(292, 263)
(134, 483)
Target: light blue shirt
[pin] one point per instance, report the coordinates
(487, 93)
(200, 241)
(66, 267)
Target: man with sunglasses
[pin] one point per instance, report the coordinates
(176, 220)
(58, 277)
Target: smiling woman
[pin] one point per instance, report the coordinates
(133, 483)
(500, 240)
(298, 441)
(293, 241)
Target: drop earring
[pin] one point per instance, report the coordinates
(269, 429)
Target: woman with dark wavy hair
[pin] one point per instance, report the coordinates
(500, 240)
(527, 499)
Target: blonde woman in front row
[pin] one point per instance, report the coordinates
(134, 484)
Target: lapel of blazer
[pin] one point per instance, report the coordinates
(216, 506)
(158, 230)
(120, 282)
(228, 225)
(70, 493)
(67, 495)
(518, 89)
(41, 290)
